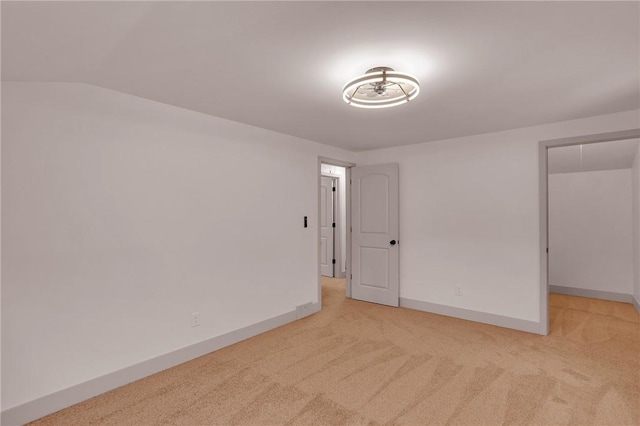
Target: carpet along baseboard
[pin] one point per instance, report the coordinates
(593, 294)
(56, 401)
(466, 314)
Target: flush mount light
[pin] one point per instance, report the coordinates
(380, 87)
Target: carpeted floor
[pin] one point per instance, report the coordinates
(361, 363)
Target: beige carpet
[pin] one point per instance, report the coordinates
(360, 363)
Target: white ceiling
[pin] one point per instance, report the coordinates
(591, 157)
(484, 66)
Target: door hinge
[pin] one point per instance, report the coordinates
(333, 189)
(333, 225)
(350, 276)
(333, 261)
(547, 249)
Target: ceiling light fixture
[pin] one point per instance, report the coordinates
(381, 87)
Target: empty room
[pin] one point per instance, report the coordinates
(270, 213)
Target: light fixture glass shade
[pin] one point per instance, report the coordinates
(381, 87)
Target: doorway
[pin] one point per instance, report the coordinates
(366, 232)
(576, 146)
(334, 222)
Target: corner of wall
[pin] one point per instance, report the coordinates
(635, 203)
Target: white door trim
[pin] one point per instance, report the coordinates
(347, 226)
(543, 148)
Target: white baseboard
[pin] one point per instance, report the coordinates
(467, 314)
(592, 294)
(636, 303)
(307, 309)
(56, 401)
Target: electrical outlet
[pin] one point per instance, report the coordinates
(195, 319)
(458, 291)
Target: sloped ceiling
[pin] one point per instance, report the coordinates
(484, 66)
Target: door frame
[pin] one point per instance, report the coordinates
(543, 148)
(347, 226)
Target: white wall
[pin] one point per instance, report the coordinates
(635, 183)
(340, 172)
(469, 215)
(122, 216)
(590, 230)
(0, 234)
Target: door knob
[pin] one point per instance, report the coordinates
(392, 242)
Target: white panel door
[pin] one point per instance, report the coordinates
(326, 226)
(374, 238)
